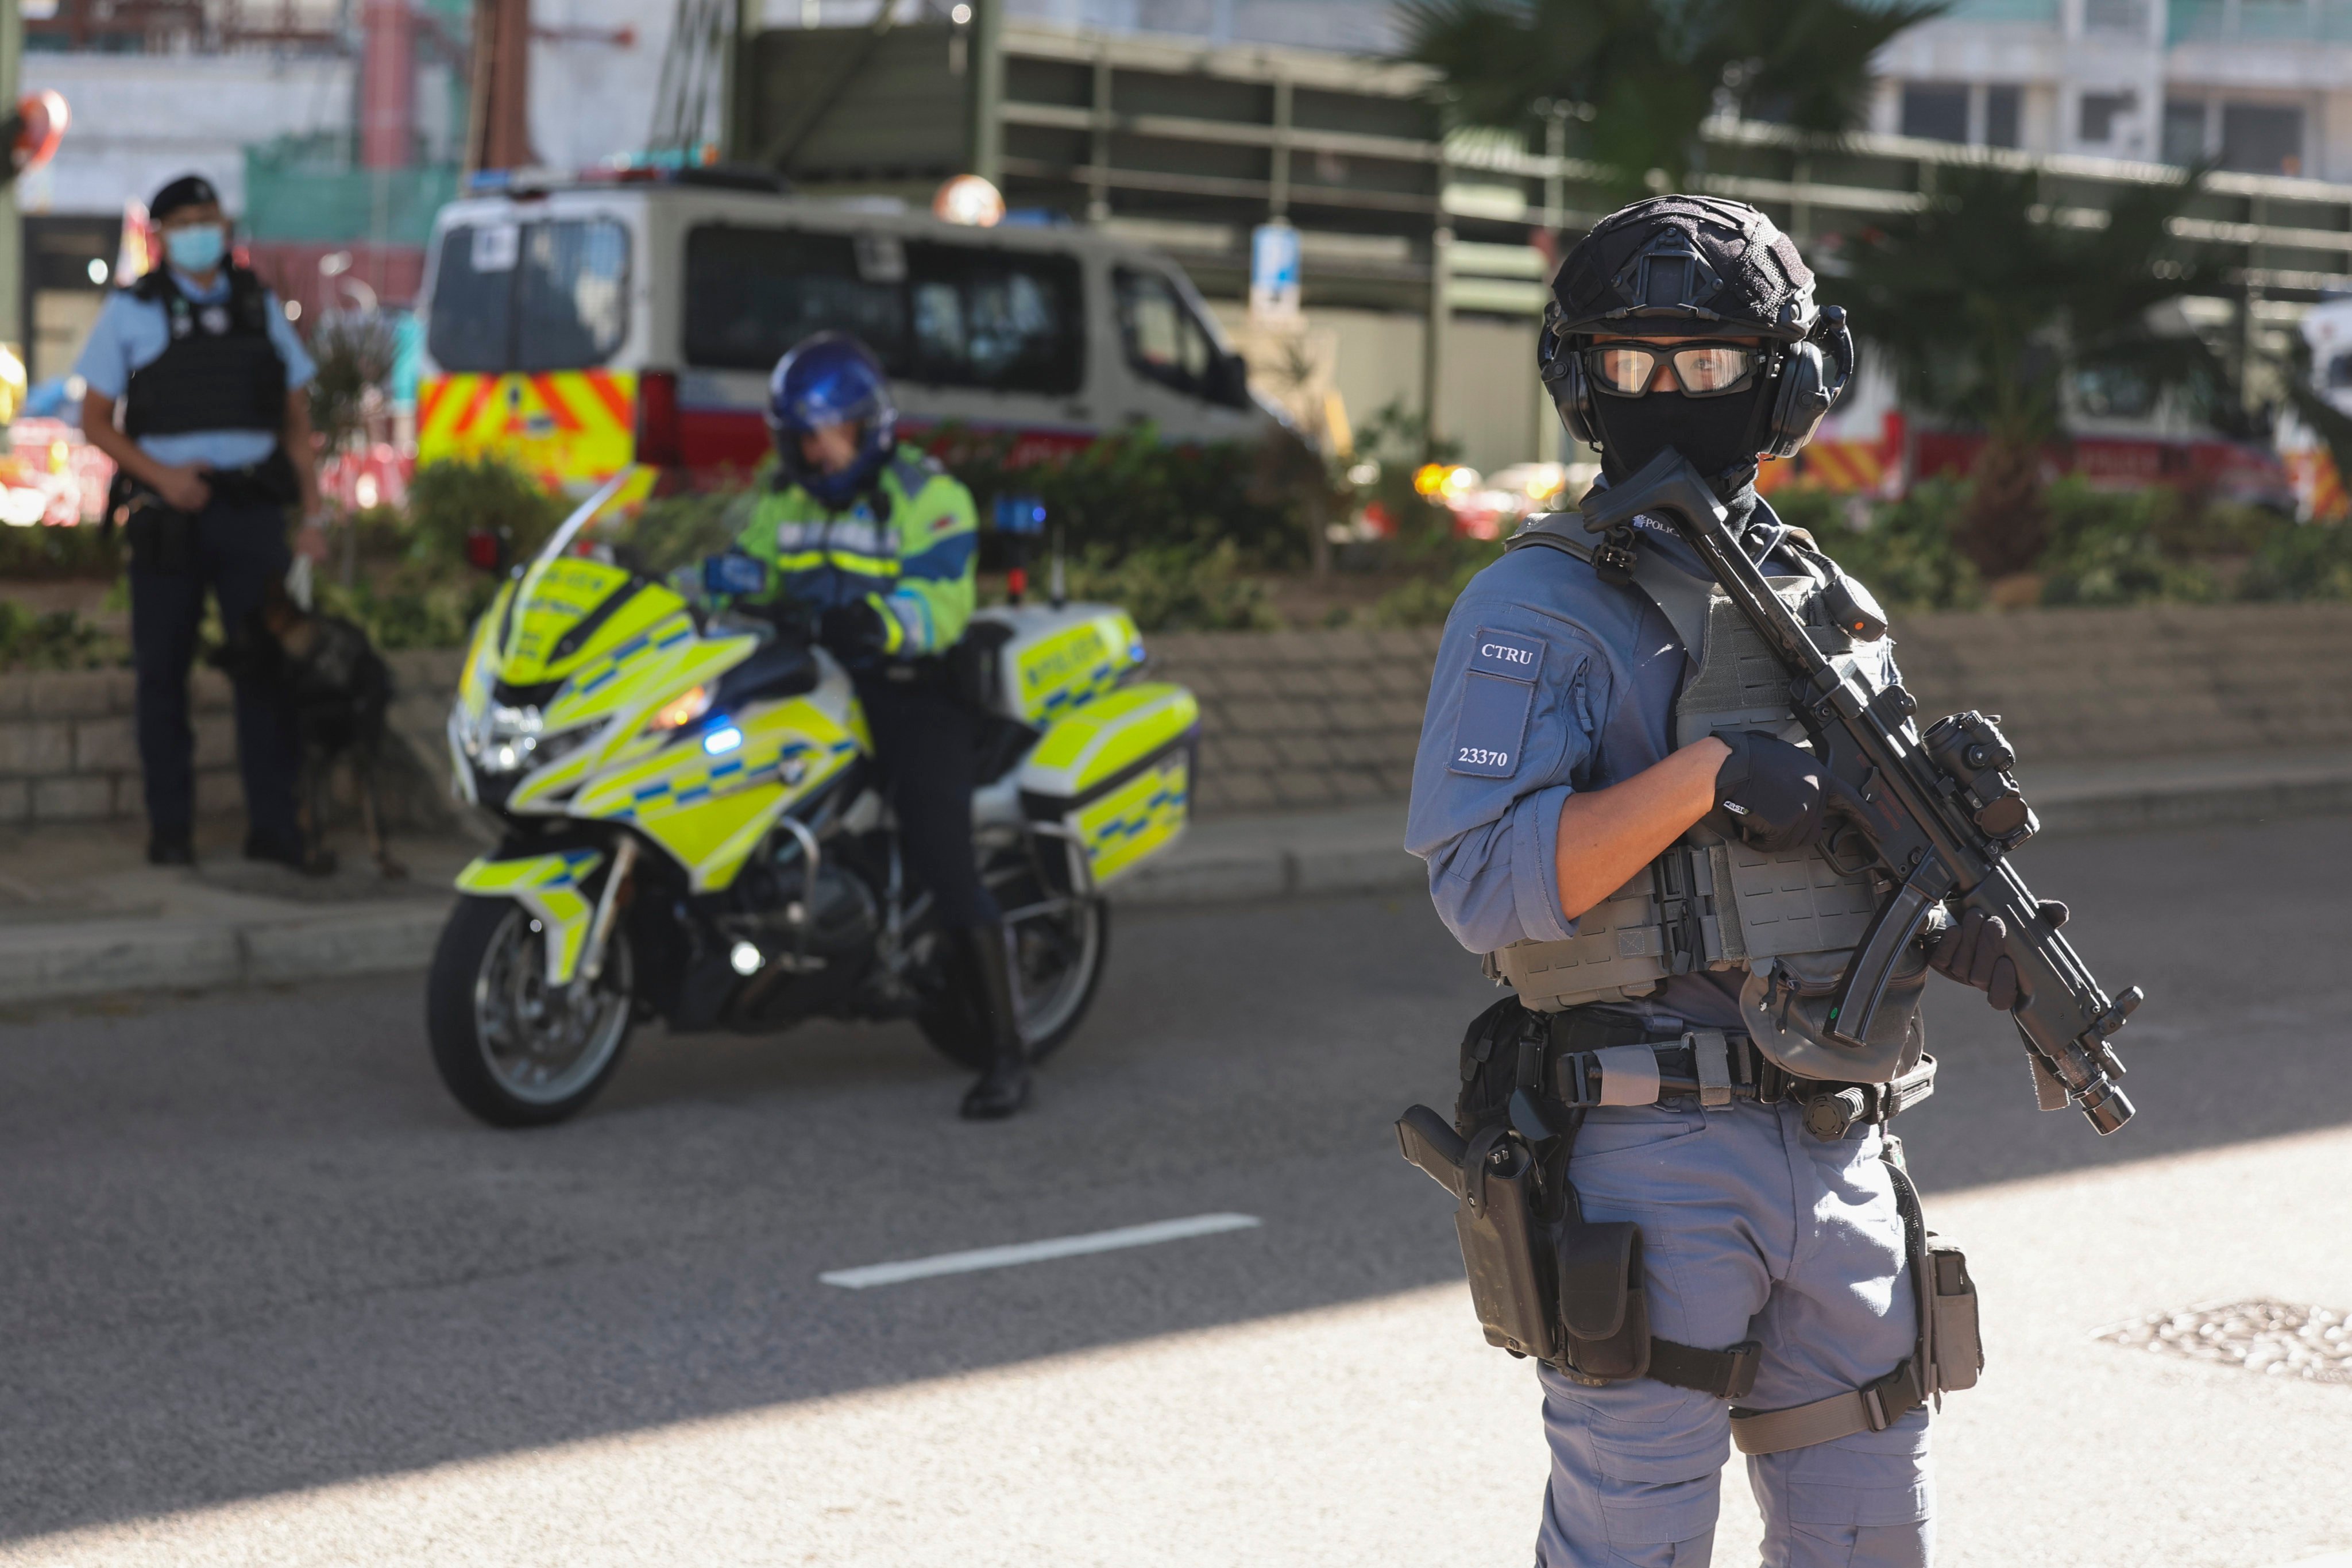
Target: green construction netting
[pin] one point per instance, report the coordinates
(309, 190)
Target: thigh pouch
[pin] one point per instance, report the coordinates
(1548, 1283)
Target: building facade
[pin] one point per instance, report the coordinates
(2253, 87)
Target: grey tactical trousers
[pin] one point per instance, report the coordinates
(1751, 1228)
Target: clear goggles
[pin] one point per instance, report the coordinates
(1625, 368)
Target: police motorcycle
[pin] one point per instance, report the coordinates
(692, 832)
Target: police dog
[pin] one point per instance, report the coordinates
(341, 692)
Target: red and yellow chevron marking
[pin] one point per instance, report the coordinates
(1846, 467)
(2318, 489)
(565, 427)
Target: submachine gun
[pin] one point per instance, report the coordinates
(1939, 812)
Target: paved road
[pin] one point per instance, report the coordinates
(269, 1297)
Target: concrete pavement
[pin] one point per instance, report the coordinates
(82, 915)
(272, 1300)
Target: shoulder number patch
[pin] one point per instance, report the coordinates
(1498, 689)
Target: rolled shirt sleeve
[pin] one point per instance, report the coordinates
(1488, 784)
(301, 370)
(104, 364)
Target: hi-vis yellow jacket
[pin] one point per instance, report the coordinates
(905, 547)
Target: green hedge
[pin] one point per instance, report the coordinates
(2106, 548)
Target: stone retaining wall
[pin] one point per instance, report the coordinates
(1319, 718)
(1298, 719)
(69, 752)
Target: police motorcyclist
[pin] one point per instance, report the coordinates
(1557, 763)
(874, 542)
(213, 446)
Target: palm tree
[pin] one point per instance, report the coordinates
(1988, 306)
(1646, 74)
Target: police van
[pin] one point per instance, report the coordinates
(575, 326)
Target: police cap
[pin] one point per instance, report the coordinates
(187, 191)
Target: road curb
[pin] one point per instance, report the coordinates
(1228, 862)
(79, 960)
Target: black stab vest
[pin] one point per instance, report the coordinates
(219, 370)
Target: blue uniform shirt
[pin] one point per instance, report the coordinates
(131, 334)
(1549, 681)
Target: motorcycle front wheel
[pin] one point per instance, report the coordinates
(511, 1049)
(1059, 942)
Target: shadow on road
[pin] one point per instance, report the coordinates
(252, 1246)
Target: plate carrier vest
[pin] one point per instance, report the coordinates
(1789, 919)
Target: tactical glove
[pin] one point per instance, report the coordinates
(1971, 953)
(1774, 796)
(851, 629)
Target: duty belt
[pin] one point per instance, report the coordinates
(1593, 1058)
(1603, 1059)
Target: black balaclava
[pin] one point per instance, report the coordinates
(1716, 434)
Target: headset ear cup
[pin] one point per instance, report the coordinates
(1573, 395)
(1802, 401)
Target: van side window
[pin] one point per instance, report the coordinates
(752, 293)
(1004, 318)
(948, 315)
(1162, 338)
(553, 295)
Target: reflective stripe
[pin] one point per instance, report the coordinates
(859, 536)
(911, 620)
(896, 633)
(840, 561)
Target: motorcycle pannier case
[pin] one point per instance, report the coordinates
(1117, 774)
(1038, 662)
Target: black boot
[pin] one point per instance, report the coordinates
(978, 966)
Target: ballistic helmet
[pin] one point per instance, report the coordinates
(1684, 265)
(831, 379)
(1693, 267)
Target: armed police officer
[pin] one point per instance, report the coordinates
(873, 544)
(1715, 1237)
(213, 446)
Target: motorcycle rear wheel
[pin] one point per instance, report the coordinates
(1060, 943)
(510, 1049)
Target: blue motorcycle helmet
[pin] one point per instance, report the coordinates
(831, 379)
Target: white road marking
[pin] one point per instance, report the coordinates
(1037, 1251)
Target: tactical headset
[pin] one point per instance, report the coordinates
(1801, 382)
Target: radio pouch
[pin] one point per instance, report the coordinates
(1604, 1312)
(1493, 1174)
(1957, 1349)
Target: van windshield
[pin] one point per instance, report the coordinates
(547, 295)
(943, 314)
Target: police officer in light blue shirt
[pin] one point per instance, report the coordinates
(213, 446)
(1776, 1265)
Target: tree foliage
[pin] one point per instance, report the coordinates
(1646, 74)
(1988, 303)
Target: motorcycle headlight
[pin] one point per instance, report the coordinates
(517, 753)
(499, 724)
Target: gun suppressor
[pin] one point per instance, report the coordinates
(2107, 1107)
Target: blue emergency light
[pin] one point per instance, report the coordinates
(1024, 515)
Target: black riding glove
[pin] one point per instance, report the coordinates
(1971, 953)
(1774, 796)
(851, 629)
